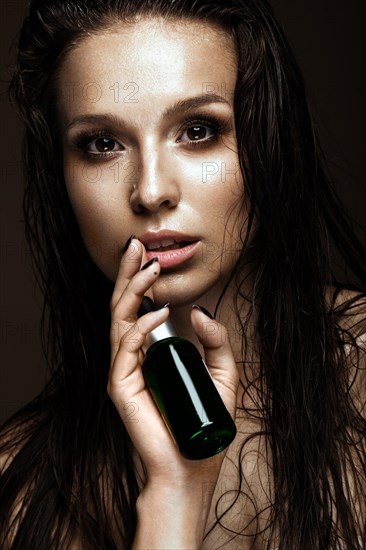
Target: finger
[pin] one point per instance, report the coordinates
(127, 389)
(214, 338)
(219, 357)
(125, 310)
(134, 337)
(136, 288)
(127, 358)
(132, 260)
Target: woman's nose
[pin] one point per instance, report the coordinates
(155, 185)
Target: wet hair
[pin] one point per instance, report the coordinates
(73, 459)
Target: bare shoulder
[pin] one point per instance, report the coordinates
(11, 442)
(5, 460)
(349, 308)
(10, 445)
(12, 439)
(350, 313)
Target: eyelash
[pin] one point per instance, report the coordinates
(86, 137)
(218, 127)
(82, 140)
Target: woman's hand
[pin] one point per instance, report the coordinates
(175, 486)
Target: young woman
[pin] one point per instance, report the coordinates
(185, 124)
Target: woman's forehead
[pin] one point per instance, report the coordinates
(154, 59)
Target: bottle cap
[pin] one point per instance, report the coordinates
(165, 330)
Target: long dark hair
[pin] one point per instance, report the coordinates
(74, 462)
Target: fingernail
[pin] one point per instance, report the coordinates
(165, 305)
(146, 306)
(204, 310)
(128, 242)
(148, 264)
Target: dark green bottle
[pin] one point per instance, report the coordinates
(185, 393)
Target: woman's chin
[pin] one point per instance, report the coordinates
(184, 290)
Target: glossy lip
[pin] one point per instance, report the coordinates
(170, 258)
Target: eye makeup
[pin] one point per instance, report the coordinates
(216, 125)
(198, 131)
(83, 140)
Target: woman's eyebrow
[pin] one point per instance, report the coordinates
(107, 118)
(179, 106)
(194, 103)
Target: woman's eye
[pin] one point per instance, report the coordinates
(197, 133)
(103, 145)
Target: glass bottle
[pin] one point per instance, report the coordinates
(185, 393)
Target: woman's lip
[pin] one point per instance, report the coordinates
(173, 258)
(151, 237)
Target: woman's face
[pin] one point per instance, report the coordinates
(149, 149)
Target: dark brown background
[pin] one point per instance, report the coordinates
(330, 44)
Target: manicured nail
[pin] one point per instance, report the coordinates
(128, 242)
(148, 264)
(204, 310)
(146, 306)
(165, 305)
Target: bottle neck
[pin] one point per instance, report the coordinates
(166, 330)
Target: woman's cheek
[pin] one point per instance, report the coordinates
(218, 171)
(97, 214)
